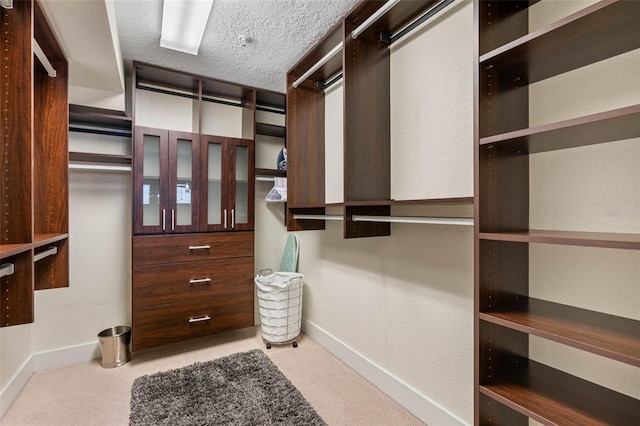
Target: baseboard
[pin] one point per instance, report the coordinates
(42, 361)
(416, 403)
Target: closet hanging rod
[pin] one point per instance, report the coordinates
(317, 217)
(331, 82)
(43, 59)
(318, 64)
(99, 131)
(415, 219)
(99, 167)
(427, 15)
(6, 269)
(265, 179)
(48, 252)
(373, 18)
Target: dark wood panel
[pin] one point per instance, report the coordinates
(492, 413)
(608, 28)
(304, 224)
(503, 191)
(53, 271)
(271, 172)
(614, 125)
(588, 239)
(165, 324)
(155, 249)
(16, 303)
(153, 74)
(501, 22)
(553, 397)
(503, 274)
(16, 122)
(607, 335)
(305, 145)
(366, 95)
(270, 99)
(40, 240)
(171, 283)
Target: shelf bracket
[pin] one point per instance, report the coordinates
(6, 269)
(48, 252)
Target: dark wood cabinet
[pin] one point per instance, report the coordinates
(34, 230)
(166, 181)
(228, 176)
(193, 207)
(512, 387)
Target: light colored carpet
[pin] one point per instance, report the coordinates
(91, 395)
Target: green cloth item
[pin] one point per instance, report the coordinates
(289, 262)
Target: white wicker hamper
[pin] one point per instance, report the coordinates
(280, 306)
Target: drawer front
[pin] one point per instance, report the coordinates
(167, 324)
(155, 249)
(181, 282)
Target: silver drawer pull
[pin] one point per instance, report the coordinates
(200, 281)
(199, 319)
(199, 247)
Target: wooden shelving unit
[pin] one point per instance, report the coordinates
(34, 189)
(511, 387)
(365, 67)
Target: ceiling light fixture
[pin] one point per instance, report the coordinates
(183, 24)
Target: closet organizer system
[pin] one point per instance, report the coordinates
(355, 50)
(193, 203)
(34, 222)
(511, 388)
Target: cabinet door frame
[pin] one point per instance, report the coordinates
(172, 176)
(138, 180)
(225, 222)
(233, 143)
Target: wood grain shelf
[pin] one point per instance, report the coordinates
(606, 335)
(553, 397)
(40, 240)
(588, 239)
(100, 117)
(271, 172)
(271, 130)
(8, 250)
(608, 27)
(90, 157)
(614, 125)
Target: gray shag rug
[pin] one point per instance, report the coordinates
(241, 389)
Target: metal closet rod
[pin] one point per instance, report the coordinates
(99, 167)
(464, 221)
(318, 64)
(392, 219)
(48, 252)
(98, 131)
(395, 37)
(43, 59)
(6, 269)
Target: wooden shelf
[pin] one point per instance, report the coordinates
(271, 172)
(271, 130)
(571, 238)
(40, 240)
(8, 250)
(553, 397)
(608, 28)
(89, 157)
(99, 117)
(615, 125)
(606, 335)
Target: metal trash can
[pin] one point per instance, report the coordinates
(115, 345)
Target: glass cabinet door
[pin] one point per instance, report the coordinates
(242, 203)
(183, 158)
(150, 167)
(215, 215)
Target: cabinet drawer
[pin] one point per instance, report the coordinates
(162, 325)
(180, 282)
(155, 249)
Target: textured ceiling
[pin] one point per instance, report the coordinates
(279, 33)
